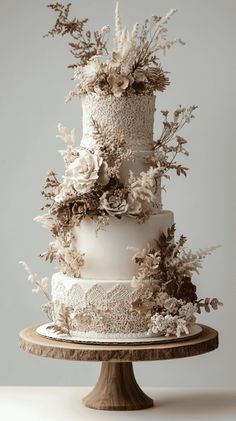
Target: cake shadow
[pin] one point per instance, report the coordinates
(206, 403)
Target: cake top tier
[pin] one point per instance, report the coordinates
(133, 115)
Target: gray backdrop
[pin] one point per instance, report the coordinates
(34, 82)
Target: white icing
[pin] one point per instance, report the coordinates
(80, 293)
(106, 254)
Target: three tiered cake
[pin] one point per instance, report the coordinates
(122, 273)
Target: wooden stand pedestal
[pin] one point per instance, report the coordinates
(117, 388)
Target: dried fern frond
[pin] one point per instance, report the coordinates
(85, 44)
(112, 146)
(63, 324)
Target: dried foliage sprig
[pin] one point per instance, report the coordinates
(177, 260)
(171, 265)
(153, 38)
(63, 323)
(41, 284)
(70, 260)
(111, 145)
(170, 145)
(86, 44)
(50, 187)
(207, 304)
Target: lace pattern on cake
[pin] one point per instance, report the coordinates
(134, 115)
(91, 309)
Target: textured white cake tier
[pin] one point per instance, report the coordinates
(99, 307)
(134, 115)
(106, 254)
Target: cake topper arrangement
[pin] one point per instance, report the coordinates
(131, 67)
(106, 210)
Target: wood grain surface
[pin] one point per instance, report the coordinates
(33, 343)
(117, 390)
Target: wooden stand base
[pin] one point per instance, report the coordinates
(117, 389)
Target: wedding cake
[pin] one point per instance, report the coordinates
(122, 275)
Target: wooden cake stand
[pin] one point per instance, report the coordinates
(117, 388)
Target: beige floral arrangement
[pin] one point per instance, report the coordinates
(132, 66)
(91, 187)
(165, 273)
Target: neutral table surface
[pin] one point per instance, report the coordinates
(64, 404)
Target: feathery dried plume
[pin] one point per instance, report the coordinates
(69, 138)
(142, 187)
(118, 27)
(40, 284)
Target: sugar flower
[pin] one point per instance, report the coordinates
(114, 203)
(83, 172)
(118, 83)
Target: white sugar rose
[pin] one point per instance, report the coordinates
(84, 170)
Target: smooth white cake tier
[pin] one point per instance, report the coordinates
(106, 254)
(133, 114)
(99, 308)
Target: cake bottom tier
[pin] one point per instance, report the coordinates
(113, 309)
(98, 308)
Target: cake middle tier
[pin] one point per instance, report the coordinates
(106, 251)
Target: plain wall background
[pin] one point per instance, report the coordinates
(34, 81)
